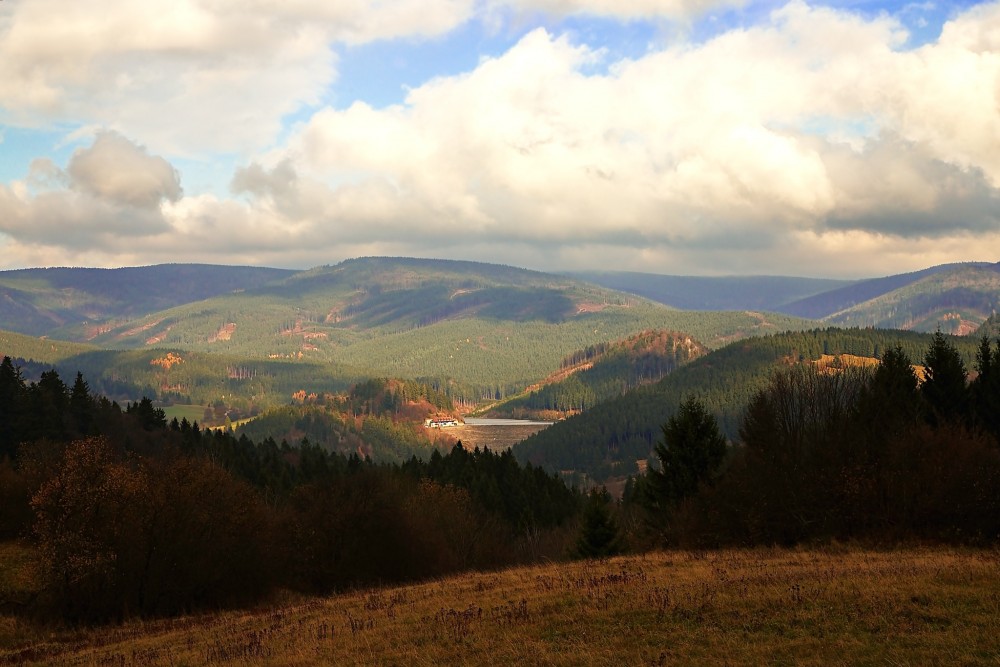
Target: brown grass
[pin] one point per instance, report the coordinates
(772, 606)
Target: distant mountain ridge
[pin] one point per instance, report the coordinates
(40, 301)
(481, 332)
(833, 301)
(955, 298)
(768, 293)
(478, 331)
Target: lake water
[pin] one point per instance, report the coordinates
(495, 434)
(478, 421)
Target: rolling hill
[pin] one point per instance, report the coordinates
(770, 293)
(956, 298)
(599, 373)
(42, 302)
(478, 331)
(827, 303)
(612, 438)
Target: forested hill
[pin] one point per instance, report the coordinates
(600, 372)
(955, 298)
(478, 331)
(45, 301)
(770, 293)
(922, 300)
(608, 440)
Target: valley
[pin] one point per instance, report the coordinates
(287, 422)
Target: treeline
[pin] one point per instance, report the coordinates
(609, 439)
(133, 515)
(616, 369)
(378, 418)
(869, 454)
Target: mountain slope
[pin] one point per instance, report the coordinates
(610, 439)
(715, 293)
(481, 331)
(43, 301)
(600, 372)
(956, 299)
(828, 303)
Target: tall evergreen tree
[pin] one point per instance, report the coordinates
(12, 397)
(599, 535)
(892, 398)
(944, 383)
(691, 451)
(81, 406)
(985, 389)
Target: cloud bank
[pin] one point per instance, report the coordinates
(813, 142)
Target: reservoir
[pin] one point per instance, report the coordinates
(478, 421)
(495, 434)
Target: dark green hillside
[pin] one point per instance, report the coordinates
(955, 300)
(990, 328)
(47, 301)
(178, 375)
(379, 419)
(835, 301)
(479, 331)
(39, 349)
(601, 372)
(609, 439)
(714, 293)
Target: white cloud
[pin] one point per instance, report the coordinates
(740, 139)
(189, 75)
(116, 169)
(812, 142)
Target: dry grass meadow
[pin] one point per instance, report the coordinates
(831, 606)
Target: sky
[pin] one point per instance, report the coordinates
(846, 138)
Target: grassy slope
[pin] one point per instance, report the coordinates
(772, 606)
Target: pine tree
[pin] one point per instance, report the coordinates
(691, 451)
(599, 534)
(81, 406)
(13, 394)
(985, 389)
(944, 385)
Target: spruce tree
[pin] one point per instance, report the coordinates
(944, 383)
(599, 534)
(692, 449)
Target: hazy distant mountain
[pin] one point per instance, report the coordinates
(833, 301)
(955, 298)
(40, 301)
(714, 293)
(485, 330)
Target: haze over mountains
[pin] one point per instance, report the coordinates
(100, 305)
(956, 298)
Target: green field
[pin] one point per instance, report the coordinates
(193, 413)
